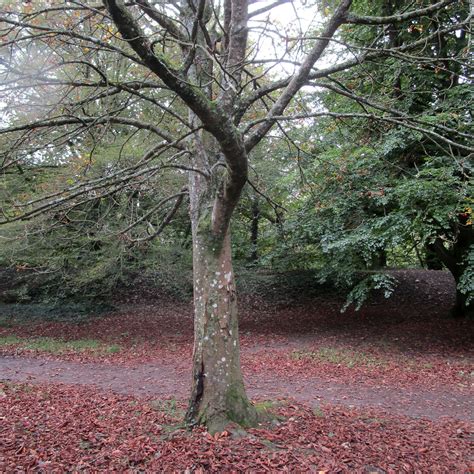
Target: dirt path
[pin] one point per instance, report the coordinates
(167, 380)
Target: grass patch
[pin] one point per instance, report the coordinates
(335, 356)
(265, 406)
(8, 387)
(58, 346)
(113, 349)
(9, 340)
(169, 407)
(48, 344)
(319, 412)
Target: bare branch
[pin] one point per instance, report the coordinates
(300, 78)
(145, 216)
(58, 122)
(167, 219)
(268, 8)
(72, 34)
(385, 20)
(343, 66)
(164, 21)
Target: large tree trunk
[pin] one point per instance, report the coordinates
(217, 395)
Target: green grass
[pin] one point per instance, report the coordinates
(265, 406)
(113, 348)
(48, 344)
(319, 412)
(336, 356)
(9, 340)
(58, 346)
(169, 407)
(8, 386)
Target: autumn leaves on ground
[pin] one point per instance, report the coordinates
(383, 390)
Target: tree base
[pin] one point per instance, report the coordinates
(239, 412)
(462, 312)
(461, 309)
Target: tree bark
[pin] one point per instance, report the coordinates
(432, 260)
(461, 308)
(217, 395)
(254, 230)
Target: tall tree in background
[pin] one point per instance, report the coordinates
(192, 87)
(380, 187)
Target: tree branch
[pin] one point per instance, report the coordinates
(162, 20)
(268, 8)
(183, 192)
(58, 122)
(300, 78)
(212, 116)
(385, 20)
(180, 196)
(345, 65)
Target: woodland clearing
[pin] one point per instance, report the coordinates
(385, 389)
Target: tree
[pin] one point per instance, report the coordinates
(381, 187)
(78, 75)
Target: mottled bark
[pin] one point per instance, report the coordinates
(217, 395)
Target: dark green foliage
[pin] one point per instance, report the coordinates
(82, 254)
(371, 193)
